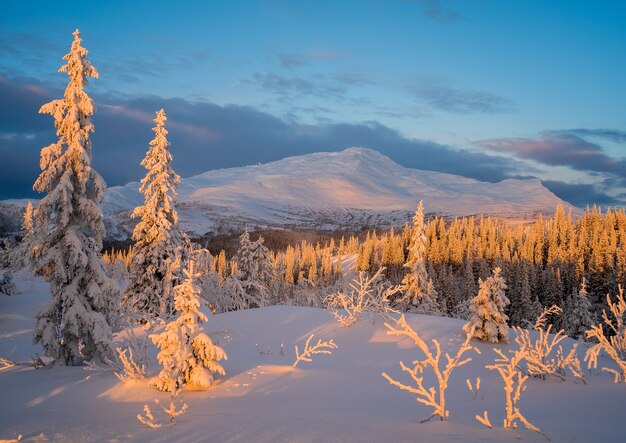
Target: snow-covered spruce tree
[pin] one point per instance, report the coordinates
(420, 295)
(489, 322)
(254, 270)
(187, 354)
(577, 315)
(21, 256)
(70, 228)
(157, 252)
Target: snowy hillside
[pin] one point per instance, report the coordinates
(340, 397)
(328, 190)
(353, 187)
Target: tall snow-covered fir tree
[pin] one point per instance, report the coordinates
(577, 316)
(420, 295)
(489, 322)
(254, 270)
(159, 243)
(69, 225)
(187, 354)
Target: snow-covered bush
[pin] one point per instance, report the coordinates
(544, 356)
(187, 354)
(75, 325)
(489, 322)
(513, 379)
(7, 287)
(367, 294)
(433, 396)
(578, 317)
(615, 344)
(132, 357)
(321, 347)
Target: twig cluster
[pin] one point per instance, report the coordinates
(321, 347)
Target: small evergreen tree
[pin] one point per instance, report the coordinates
(420, 295)
(577, 316)
(489, 322)
(254, 270)
(156, 257)
(70, 228)
(187, 354)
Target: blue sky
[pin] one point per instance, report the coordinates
(484, 88)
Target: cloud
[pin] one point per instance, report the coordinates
(612, 135)
(582, 194)
(435, 10)
(204, 136)
(288, 88)
(438, 94)
(290, 61)
(559, 148)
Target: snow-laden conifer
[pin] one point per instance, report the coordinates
(158, 248)
(420, 295)
(70, 228)
(187, 354)
(577, 315)
(489, 322)
(254, 270)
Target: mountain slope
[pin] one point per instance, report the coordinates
(353, 187)
(327, 190)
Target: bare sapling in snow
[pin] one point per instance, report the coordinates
(132, 358)
(76, 324)
(489, 322)
(187, 354)
(321, 347)
(484, 419)
(367, 294)
(176, 408)
(513, 379)
(473, 388)
(156, 256)
(420, 296)
(432, 396)
(544, 356)
(615, 344)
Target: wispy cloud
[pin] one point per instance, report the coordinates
(437, 11)
(290, 87)
(558, 148)
(439, 94)
(290, 61)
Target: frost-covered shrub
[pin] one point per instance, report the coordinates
(615, 344)
(367, 294)
(321, 347)
(433, 396)
(7, 287)
(544, 356)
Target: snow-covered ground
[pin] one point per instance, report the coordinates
(338, 397)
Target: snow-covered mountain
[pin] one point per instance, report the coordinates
(326, 190)
(352, 188)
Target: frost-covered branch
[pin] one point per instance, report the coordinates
(321, 347)
(176, 408)
(514, 380)
(428, 395)
(367, 294)
(615, 345)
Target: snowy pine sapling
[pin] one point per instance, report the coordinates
(578, 317)
(155, 259)
(321, 347)
(614, 345)
(489, 322)
(433, 396)
(188, 355)
(367, 294)
(420, 295)
(513, 380)
(76, 324)
(539, 354)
